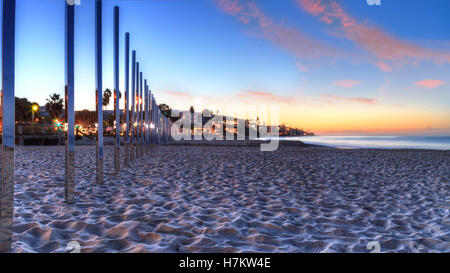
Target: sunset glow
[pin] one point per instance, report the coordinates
(333, 67)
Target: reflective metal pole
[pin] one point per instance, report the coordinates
(149, 101)
(127, 96)
(154, 120)
(99, 88)
(160, 126)
(157, 125)
(145, 112)
(8, 125)
(116, 90)
(137, 111)
(141, 121)
(150, 104)
(158, 131)
(70, 104)
(147, 118)
(165, 130)
(133, 103)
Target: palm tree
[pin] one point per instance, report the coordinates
(165, 110)
(106, 97)
(55, 105)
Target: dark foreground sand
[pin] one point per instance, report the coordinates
(236, 199)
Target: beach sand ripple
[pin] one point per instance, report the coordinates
(236, 199)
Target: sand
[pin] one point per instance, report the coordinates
(236, 199)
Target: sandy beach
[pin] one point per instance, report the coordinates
(197, 198)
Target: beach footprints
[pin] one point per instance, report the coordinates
(73, 247)
(374, 246)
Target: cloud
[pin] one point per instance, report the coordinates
(384, 67)
(252, 11)
(292, 40)
(326, 19)
(429, 83)
(373, 39)
(311, 6)
(347, 83)
(253, 96)
(355, 99)
(178, 94)
(301, 67)
(429, 128)
(383, 88)
(231, 7)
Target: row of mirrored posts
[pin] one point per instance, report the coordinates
(143, 123)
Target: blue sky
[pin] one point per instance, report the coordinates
(314, 58)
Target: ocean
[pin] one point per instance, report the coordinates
(378, 142)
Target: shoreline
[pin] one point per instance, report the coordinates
(109, 141)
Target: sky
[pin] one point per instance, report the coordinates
(331, 67)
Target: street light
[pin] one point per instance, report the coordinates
(34, 108)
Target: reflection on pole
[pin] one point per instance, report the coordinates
(8, 125)
(116, 90)
(141, 123)
(145, 112)
(69, 102)
(127, 96)
(147, 119)
(137, 111)
(133, 103)
(99, 88)
(154, 120)
(150, 105)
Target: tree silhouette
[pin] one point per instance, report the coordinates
(107, 94)
(55, 105)
(165, 110)
(22, 109)
(106, 97)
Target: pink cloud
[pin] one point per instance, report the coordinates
(356, 99)
(312, 6)
(231, 7)
(178, 94)
(381, 44)
(301, 67)
(383, 66)
(292, 40)
(265, 96)
(326, 19)
(363, 100)
(297, 43)
(252, 11)
(429, 83)
(347, 83)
